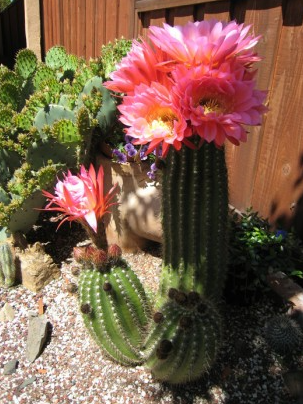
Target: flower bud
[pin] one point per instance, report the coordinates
(114, 252)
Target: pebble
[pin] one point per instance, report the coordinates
(10, 367)
(73, 359)
(7, 313)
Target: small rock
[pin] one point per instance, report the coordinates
(7, 313)
(36, 337)
(71, 288)
(26, 382)
(75, 271)
(37, 268)
(10, 367)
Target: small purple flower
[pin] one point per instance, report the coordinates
(281, 233)
(131, 151)
(151, 175)
(143, 156)
(121, 157)
(153, 167)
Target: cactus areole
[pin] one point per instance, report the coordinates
(184, 96)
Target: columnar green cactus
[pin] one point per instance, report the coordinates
(116, 310)
(195, 209)
(7, 266)
(195, 212)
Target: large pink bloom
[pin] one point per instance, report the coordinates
(153, 119)
(217, 108)
(138, 67)
(81, 197)
(208, 42)
(195, 79)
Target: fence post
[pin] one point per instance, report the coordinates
(33, 26)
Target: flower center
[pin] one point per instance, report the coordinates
(211, 105)
(163, 121)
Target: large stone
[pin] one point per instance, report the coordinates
(36, 337)
(37, 268)
(136, 219)
(7, 313)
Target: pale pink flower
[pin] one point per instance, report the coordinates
(81, 197)
(152, 118)
(217, 107)
(208, 42)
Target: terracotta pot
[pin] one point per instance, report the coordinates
(136, 219)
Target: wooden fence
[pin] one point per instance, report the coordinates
(12, 32)
(267, 171)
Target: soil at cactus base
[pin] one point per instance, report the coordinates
(73, 370)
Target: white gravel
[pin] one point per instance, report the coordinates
(72, 370)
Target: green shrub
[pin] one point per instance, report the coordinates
(256, 250)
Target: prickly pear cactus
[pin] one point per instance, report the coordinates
(48, 116)
(7, 266)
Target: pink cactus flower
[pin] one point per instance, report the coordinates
(138, 67)
(152, 118)
(217, 108)
(208, 42)
(81, 197)
(195, 79)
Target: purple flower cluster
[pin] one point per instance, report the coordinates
(130, 150)
(152, 173)
(121, 157)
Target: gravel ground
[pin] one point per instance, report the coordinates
(72, 370)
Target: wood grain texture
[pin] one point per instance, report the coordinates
(111, 20)
(243, 160)
(90, 27)
(278, 183)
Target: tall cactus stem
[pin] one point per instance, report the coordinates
(195, 208)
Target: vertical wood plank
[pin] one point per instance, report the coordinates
(180, 15)
(81, 23)
(155, 17)
(66, 11)
(126, 19)
(90, 28)
(219, 10)
(57, 24)
(278, 182)
(111, 20)
(243, 160)
(73, 26)
(100, 26)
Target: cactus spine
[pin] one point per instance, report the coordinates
(7, 266)
(283, 334)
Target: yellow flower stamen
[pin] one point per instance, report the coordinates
(211, 105)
